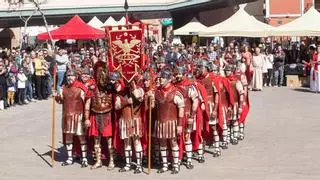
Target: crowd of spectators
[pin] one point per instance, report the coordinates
(27, 75)
(263, 64)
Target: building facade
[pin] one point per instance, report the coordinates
(214, 16)
(279, 12)
(59, 11)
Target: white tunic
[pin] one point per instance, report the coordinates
(315, 82)
(257, 79)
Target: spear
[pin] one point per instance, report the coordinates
(53, 117)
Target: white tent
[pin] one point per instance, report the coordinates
(193, 27)
(96, 23)
(239, 24)
(122, 21)
(306, 25)
(110, 22)
(35, 30)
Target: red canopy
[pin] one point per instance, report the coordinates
(76, 28)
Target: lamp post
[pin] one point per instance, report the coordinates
(126, 7)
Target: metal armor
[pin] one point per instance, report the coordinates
(101, 102)
(224, 95)
(73, 102)
(131, 112)
(236, 95)
(207, 83)
(166, 109)
(188, 102)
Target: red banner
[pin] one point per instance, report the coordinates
(125, 51)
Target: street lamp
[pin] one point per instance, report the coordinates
(126, 7)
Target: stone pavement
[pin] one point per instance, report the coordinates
(282, 142)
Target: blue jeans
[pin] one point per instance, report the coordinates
(60, 77)
(28, 91)
(49, 84)
(278, 75)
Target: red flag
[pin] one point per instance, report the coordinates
(125, 51)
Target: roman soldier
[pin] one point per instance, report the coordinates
(238, 96)
(190, 95)
(211, 85)
(98, 120)
(240, 73)
(201, 118)
(88, 81)
(131, 130)
(149, 88)
(168, 124)
(161, 63)
(225, 108)
(72, 98)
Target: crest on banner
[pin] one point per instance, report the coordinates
(125, 50)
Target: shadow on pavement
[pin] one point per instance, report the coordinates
(41, 156)
(306, 90)
(58, 155)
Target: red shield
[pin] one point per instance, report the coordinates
(125, 51)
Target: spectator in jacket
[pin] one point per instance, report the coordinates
(3, 85)
(40, 72)
(28, 71)
(279, 60)
(51, 63)
(22, 79)
(62, 61)
(11, 84)
(269, 67)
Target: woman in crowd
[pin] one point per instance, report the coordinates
(62, 61)
(314, 73)
(257, 65)
(268, 67)
(228, 57)
(247, 57)
(160, 51)
(278, 69)
(28, 71)
(3, 85)
(40, 69)
(237, 54)
(212, 54)
(21, 78)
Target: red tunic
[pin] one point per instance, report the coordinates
(201, 118)
(100, 114)
(76, 143)
(246, 107)
(167, 113)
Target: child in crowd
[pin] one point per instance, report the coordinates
(3, 88)
(21, 86)
(11, 84)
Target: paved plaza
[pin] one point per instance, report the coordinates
(282, 143)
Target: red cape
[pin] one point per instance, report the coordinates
(207, 133)
(91, 86)
(118, 144)
(246, 108)
(145, 122)
(201, 119)
(226, 84)
(181, 140)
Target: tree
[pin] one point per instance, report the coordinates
(36, 3)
